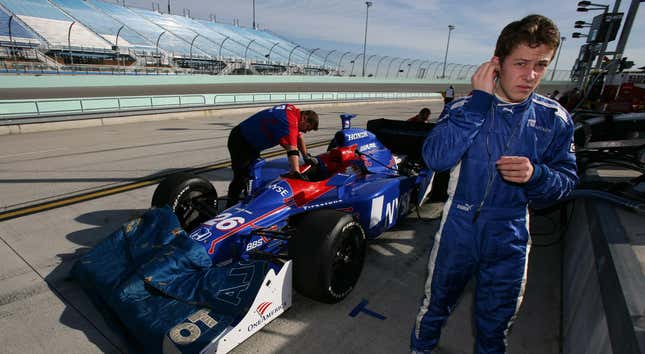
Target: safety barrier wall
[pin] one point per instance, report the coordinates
(11, 110)
(602, 281)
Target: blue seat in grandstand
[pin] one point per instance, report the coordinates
(19, 34)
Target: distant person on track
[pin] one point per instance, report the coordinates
(280, 125)
(449, 95)
(421, 117)
(505, 146)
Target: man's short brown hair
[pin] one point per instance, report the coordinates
(532, 30)
(310, 117)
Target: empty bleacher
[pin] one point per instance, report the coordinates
(63, 34)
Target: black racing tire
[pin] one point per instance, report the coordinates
(328, 252)
(183, 192)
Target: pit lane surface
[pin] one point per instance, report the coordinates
(43, 312)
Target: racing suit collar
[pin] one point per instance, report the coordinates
(498, 102)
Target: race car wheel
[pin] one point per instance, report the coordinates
(328, 252)
(192, 198)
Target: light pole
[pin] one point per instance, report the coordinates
(270, 50)
(387, 72)
(222, 46)
(309, 56)
(157, 45)
(69, 43)
(11, 39)
(294, 48)
(378, 64)
(254, 14)
(443, 74)
(247, 49)
(400, 65)
(555, 66)
(341, 59)
(410, 67)
(354, 63)
(327, 56)
(191, 47)
(368, 60)
(367, 13)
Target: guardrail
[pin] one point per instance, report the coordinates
(16, 109)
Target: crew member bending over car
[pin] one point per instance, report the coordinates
(421, 117)
(280, 125)
(505, 146)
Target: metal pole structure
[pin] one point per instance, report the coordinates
(116, 44)
(327, 56)
(445, 58)
(341, 59)
(387, 72)
(368, 60)
(354, 63)
(11, 40)
(555, 66)
(254, 15)
(191, 46)
(624, 35)
(378, 64)
(222, 45)
(367, 13)
(69, 43)
(400, 65)
(410, 67)
(309, 56)
(168, 7)
(270, 50)
(294, 48)
(247, 49)
(610, 29)
(157, 46)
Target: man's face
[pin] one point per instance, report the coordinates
(304, 126)
(522, 71)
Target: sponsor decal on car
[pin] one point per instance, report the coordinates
(254, 244)
(263, 307)
(188, 331)
(320, 205)
(358, 135)
(265, 316)
(284, 192)
(200, 234)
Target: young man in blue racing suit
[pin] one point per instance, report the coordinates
(506, 146)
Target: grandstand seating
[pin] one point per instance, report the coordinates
(152, 39)
(53, 25)
(105, 26)
(19, 34)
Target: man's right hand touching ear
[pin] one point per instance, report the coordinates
(484, 77)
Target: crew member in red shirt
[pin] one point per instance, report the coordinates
(280, 125)
(422, 117)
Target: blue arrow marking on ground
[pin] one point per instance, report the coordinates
(361, 308)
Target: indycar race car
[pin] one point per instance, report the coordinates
(218, 276)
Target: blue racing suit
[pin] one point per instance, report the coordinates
(484, 228)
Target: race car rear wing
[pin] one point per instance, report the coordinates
(401, 137)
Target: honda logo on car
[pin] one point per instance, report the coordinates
(264, 315)
(355, 136)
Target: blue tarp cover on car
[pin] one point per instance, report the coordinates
(149, 276)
